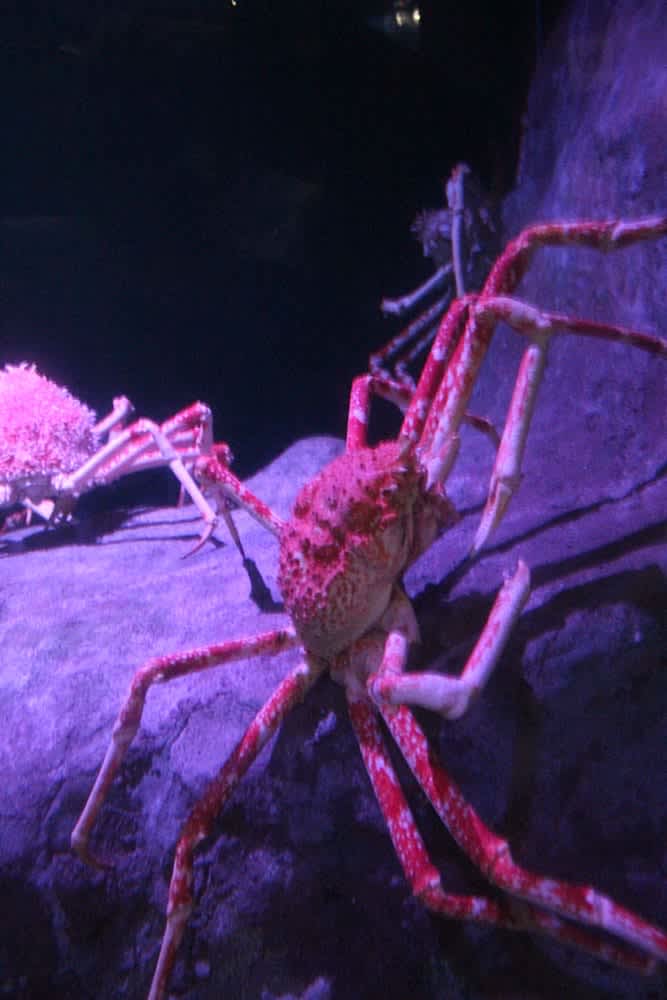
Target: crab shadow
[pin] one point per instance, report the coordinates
(86, 530)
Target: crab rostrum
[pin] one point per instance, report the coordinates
(52, 449)
(355, 529)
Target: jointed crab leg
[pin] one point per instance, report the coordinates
(122, 409)
(540, 326)
(424, 878)
(213, 472)
(159, 670)
(123, 452)
(452, 696)
(491, 854)
(401, 393)
(198, 826)
(390, 687)
(446, 341)
(438, 432)
(364, 387)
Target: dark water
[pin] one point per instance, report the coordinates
(210, 205)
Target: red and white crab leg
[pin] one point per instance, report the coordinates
(424, 878)
(439, 442)
(160, 670)
(198, 826)
(122, 453)
(401, 392)
(451, 696)
(189, 432)
(213, 472)
(540, 326)
(364, 387)
(446, 340)
(122, 409)
(491, 854)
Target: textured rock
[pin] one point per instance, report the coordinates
(298, 892)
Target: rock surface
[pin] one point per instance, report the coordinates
(299, 893)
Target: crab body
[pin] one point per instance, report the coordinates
(354, 530)
(45, 433)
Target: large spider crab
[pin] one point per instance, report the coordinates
(52, 450)
(354, 530)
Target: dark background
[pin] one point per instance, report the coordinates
(208, 201)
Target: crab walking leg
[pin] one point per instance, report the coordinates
(456, 203)
(214, 474)
(422, 875)
(424, 878)
(190, 433)
(540, 325)
(419, 335)
(363, 388)
(446, 340)
(491, 854)
(398, 306)
(124, 449)
(122, 408)
(118, 454)
(440, 438)
(400, 392)
(200, 822)
(198, 418)
(452, 696)
(506, 474)
(159, 670)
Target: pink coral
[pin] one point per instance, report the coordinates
(43, 428)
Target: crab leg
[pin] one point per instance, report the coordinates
(452, 696)
(122, 408)
(214, 474)
(138, 446)
(491, 854)
(446, 340)
(540, 326)
(198, 826)
(403, 304)
(190, 435)
(189, 432)
(424, 878)
(363, 388)
(439, 441)
(401, 392)
(119, 454)
(159, 670)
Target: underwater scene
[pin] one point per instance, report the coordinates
(333, 501)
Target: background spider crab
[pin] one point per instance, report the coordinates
(52, 450)
(355, 529)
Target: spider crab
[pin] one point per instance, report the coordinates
(52, 450)
(355, 528)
